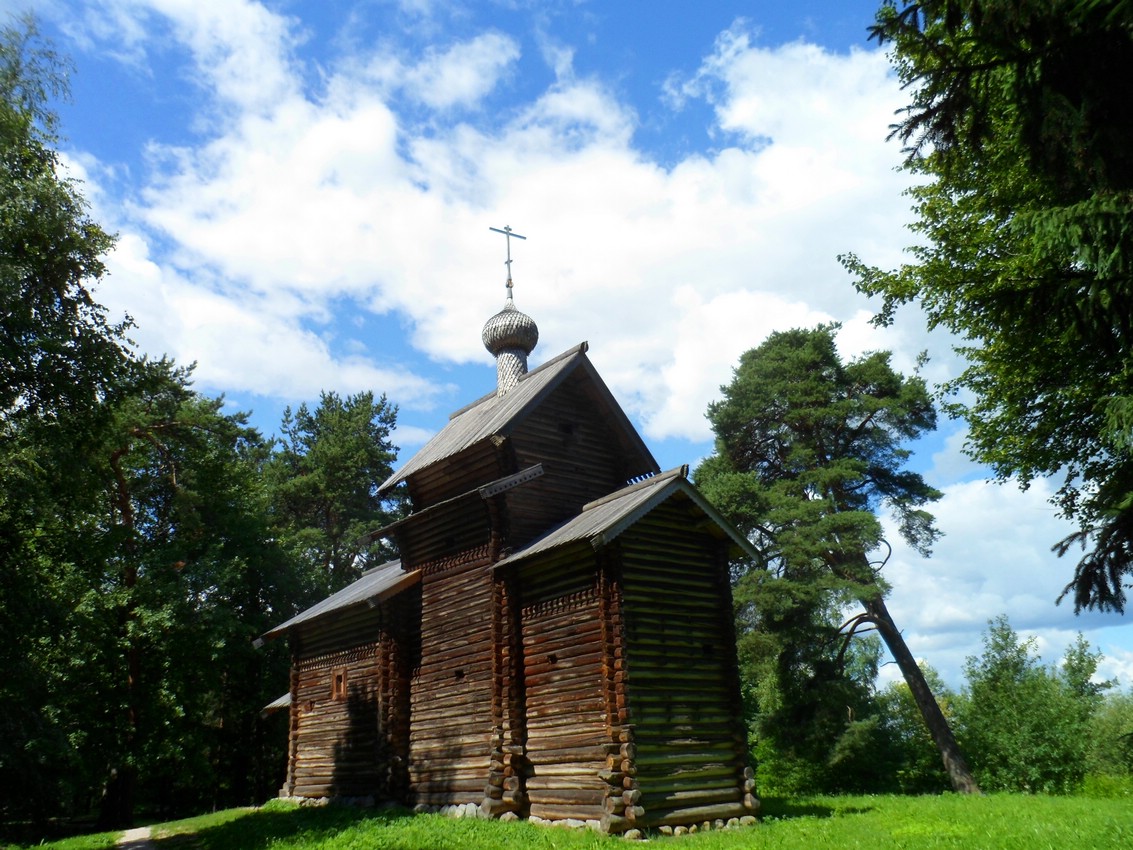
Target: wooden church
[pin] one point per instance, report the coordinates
(557, 639)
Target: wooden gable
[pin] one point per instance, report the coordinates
(561, 414)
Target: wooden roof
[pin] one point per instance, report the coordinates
(602, 520)
(375, 585)
(497, 416)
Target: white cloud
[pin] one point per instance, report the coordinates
(458, 76)
(249, 342)
(241, 51)
(994, 558)
(670, 273)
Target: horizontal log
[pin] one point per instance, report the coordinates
(567, 755)
(551, 724)
(466, 710)
(563, 796)
(591, 645)
(562, 783)
(688, 760)
(590, 709)
(457, 769)
(464, 743)
(681, 799)
(578, 735)
(578, 682)
(449, 798)
(694, 814)
(615, 824)
(553, 671)
(674, 778)
(730, 744)
(588, 770)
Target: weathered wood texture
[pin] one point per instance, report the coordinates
(471, 468)
(339, 749)
(565, 710)
(350, 702)
(446, 530)
(451, 734)
(681, 672)
(350, 706)
(582, 459)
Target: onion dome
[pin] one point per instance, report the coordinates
(510, 329)
(510, 336)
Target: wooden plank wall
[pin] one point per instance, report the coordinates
(355, 745)
(566, 720)
(338, 746)
(401, 655)
(682, 682)
(471, 468)
(451, 733)
(580, 456)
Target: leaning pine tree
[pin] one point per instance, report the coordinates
(808, 449)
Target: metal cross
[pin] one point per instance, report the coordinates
(508, 234)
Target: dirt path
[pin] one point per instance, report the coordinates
(136, 839)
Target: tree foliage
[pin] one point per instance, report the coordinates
(325, 475)
(906, 740)
(1027, 727)
(1019, 129)
(146, 534)
(56, 345)
(808, 449)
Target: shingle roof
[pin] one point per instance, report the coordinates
(602, 520)
(374, 585)
(277, 704)
(495, 415)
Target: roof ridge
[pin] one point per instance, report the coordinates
(676, 472)
(581, 348)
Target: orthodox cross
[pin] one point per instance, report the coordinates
(508, 234)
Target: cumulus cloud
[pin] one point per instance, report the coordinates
(994, 558)
(459, 75)
(669, 272)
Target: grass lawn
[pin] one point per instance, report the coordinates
(997, 822)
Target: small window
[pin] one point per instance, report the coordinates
(338, 684)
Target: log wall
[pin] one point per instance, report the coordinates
(682, 676)
(338, 737)
(350, 702)
(563, 662)
(581, 456)
(450, 738)
(471, 468)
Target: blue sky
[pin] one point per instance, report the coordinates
(303, 193)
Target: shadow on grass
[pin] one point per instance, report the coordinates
(786, 808)
(262, 828)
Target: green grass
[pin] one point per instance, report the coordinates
(997, 822)
(90, 841)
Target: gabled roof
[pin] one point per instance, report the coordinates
(602, 520)
(497, 416)
(375, 585)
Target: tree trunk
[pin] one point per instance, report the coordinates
(962, 780)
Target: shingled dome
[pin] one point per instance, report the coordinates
(510, 336)
(510, 328)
